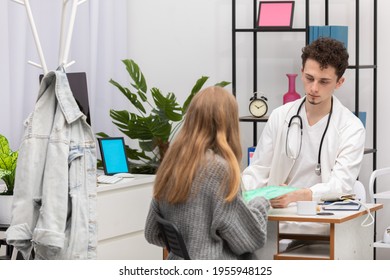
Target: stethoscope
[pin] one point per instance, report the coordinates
(300, 123)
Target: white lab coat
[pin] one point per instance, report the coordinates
(341, 156)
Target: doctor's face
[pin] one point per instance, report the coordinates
(319, 84)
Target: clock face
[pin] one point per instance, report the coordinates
(258, 108)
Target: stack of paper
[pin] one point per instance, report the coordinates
(348, 205)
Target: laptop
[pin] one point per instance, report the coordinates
(112, 150)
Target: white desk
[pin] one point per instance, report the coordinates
(122, 209)
(347, 238)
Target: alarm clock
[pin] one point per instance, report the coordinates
(258, 107)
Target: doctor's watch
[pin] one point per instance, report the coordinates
(258, 107)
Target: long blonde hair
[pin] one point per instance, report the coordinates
(211, 122)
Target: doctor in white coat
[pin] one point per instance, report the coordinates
(314, 143)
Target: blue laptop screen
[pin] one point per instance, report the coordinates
(113, 155)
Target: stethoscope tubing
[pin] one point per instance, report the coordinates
(297, 116)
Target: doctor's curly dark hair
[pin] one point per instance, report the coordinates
(327, 52)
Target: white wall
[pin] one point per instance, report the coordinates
(175, 42)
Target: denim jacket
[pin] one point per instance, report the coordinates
(54, 207)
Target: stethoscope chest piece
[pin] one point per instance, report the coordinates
(318, 169)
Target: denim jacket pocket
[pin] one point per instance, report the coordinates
(75, 167)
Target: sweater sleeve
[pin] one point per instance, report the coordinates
(152, 230)
(244, 226)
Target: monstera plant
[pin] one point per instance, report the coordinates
(8, 160)
(152, 123)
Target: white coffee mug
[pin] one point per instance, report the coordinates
(307, 208)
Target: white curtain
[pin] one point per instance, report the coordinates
(98, 45)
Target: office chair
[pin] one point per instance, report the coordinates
(359, 191)
(172, 237)
(376, 173)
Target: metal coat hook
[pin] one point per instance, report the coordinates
(64, 45)
(43, 65)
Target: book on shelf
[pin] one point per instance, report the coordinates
(337, 32)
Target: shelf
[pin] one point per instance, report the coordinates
(306, 252)
(301, 236)
(369, 151)
(269, 30)
(381, 244)
(362, 67)
(253, 119)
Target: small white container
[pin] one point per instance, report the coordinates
(386, 235)
(307, 208)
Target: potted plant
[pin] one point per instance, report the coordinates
(152, 125)
(8, 160)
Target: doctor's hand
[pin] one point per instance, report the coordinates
(284, 200)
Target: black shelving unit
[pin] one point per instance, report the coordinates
(357, 67)
(255, 31)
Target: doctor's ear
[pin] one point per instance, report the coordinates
(340, 82)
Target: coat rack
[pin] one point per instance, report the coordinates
(64, 44)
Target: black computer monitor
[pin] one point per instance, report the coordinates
(78, 86)
(112, 150)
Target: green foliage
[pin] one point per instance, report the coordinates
(8, 160)
(153, 128)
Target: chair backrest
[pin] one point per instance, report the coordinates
(173, 238)
(359, 191)
(373, 177)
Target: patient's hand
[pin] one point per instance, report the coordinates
(284, 200)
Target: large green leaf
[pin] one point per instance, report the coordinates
(132, 97)
(195, 89)
(8, 160)
(223, 84)
(120, 118)
(148, 128)
(137, 77)
(166, 106)
(147, 145)
(141, 128)
(4, 145)
(135, 154)
(102, 134)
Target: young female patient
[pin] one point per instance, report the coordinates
(197, 185)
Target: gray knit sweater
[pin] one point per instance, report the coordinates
(212, 228)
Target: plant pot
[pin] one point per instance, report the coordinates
(5, 209)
